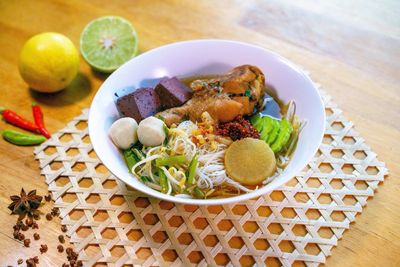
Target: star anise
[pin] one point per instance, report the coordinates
(25, 204)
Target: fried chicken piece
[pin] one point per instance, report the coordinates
(235, 93)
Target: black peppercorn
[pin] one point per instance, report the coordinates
(36, 236)
(60, 248)
(27, 242)
(43, 248)
(49, 217)
(61, 239)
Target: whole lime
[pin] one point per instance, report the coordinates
(48, 62)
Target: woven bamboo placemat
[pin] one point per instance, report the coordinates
(297, 224)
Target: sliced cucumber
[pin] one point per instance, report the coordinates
(268, 127)
(275, 132)
(286, 130)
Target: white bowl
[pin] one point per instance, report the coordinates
(200, 57)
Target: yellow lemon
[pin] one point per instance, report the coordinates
(48, 62)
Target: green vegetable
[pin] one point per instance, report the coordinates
(255, 118)
(163, 181)
(247, 93)
(257, 121)
(192, 170)
(198, 193)
(171, 161)
(138, 154)
(22, 139)
(130, 158)
(166, 131)
(264, 135)
(267, 127)
(160, 117)
(145, 179)
(275, 131)
(286, 130)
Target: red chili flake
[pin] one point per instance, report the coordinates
(237, 129)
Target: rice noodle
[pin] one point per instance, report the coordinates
(211, 170)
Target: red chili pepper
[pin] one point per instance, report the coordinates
(13, 118)
(38, 116)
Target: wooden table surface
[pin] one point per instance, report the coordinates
(351, 47)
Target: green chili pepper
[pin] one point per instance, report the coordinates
(163, 181)
(171, 161)
(198, 193)
(130, 159)
(22, 139)
(192, 170)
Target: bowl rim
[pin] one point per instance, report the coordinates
(217, 201)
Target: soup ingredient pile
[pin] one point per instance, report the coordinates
(197, 139)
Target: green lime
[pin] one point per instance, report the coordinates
(108, 42)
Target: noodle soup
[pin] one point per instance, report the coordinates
(197, 137)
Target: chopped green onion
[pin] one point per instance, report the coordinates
(145, 179)
(163, 181)
(166, 131)
(129, 158)
(160, 118)
(138, 154)
(171, 161)
(247, 93)
(198, 193)
(192, 170)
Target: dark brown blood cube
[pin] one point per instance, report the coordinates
(142, 103)
(173, 93)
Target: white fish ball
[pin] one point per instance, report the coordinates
(123, 132)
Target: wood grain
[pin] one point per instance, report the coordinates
(351, 47)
